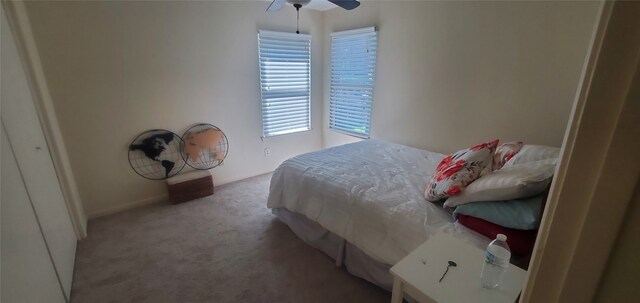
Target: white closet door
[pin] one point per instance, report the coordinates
(27, 272)
(24, 131)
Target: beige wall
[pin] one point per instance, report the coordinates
(451, 74)
(116, 69)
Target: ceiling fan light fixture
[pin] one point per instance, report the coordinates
(299, 2)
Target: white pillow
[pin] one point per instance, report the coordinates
(513, 182)
(531, 153)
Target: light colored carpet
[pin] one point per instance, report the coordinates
(224, 248)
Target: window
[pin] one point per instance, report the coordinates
(353, 68)
(285, 82)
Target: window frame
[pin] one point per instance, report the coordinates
(371, 34)
(264, 35)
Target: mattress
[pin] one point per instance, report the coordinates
(370, 193)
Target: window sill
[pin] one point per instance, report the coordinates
(288, 133)
(359, 136)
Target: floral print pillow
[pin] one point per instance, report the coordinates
(456, 171)
(505, 152)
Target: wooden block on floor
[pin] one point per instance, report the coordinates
(189, 186)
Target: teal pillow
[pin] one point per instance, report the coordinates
(517, 214)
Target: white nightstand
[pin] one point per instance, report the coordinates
(417, 274)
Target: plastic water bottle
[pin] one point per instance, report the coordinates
(496, 262)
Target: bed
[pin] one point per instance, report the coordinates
(363, 204)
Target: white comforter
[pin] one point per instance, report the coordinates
(370, 193)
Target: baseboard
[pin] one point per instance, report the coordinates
(127, 206)
(234, 180)
(157, 199)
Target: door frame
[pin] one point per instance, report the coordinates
(598, 170)
(21, 28)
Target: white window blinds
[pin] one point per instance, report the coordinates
(353, 68)
(285, 82)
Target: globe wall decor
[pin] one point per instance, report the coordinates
(204, 146)
(156, 154)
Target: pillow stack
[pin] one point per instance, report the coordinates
(506, 198)
(455, 171)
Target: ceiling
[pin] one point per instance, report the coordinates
(318, 5)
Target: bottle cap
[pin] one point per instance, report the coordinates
(501, 237)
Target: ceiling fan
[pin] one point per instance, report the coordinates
(278, 4)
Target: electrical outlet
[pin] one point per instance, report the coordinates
(267, 152)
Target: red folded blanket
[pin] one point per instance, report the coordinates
(520, 241)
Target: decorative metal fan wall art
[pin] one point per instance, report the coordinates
(204, 146)
(156, 154)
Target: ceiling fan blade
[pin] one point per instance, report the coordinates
(346, 4)
(276, 5)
